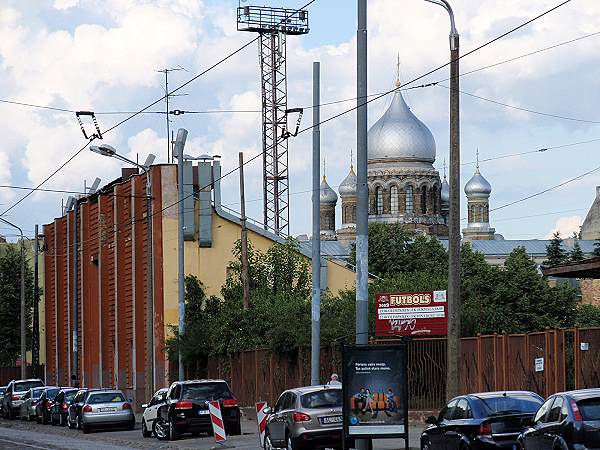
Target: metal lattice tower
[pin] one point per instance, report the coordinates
(274, 25)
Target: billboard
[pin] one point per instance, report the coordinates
(375, 391)
(412, 314)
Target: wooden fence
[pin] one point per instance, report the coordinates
(545, 362)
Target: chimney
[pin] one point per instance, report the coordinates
(128, 172)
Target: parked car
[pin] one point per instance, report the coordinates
(13, 397)
(105, 408)
(566, 421)
(75, 409)
(30, 401)
(489, 420)
(151, 411)
(2, 391)
(44, 404)
(186, 409)
(60, 406)
(306, 418)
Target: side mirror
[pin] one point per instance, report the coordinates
(144, 405)
(268, 410)
(431, 420)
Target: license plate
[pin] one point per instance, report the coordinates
(330, 420)
(107, 409)
(203, 412)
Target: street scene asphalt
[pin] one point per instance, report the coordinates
(29, 435)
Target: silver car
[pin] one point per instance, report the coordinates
(30, 401)
(106, 408)
(306, 418)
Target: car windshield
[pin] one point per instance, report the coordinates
(51, 393)
(510, 404)
(329, 398)
(206, 391)
(590, 408)
(23, 386)
(37, 392)
(105, 397)
(69, 395)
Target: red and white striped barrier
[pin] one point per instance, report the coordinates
(261, 420)
(217, 422)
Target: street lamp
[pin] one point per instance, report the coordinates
(110, 151)
(23, 349)
(452, 376)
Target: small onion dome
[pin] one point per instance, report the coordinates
(445, 194)
(478, 186)
(348, 186)
(328, 195)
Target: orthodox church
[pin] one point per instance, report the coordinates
(404, 187)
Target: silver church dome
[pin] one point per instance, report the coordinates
(348, 186)
(400, 135)
(328, 195)
(478, 186)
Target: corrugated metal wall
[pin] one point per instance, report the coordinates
(111, 290)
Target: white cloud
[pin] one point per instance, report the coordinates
(566, 226)
(65, 4)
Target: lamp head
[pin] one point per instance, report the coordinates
(104, 149)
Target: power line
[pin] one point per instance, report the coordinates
(519, 108)
(537, 194)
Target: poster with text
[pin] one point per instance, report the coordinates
(375, 391)
(412, 314)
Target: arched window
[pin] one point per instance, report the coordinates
(379, 200)
(409, 200)
(394, 200)
(424, 200)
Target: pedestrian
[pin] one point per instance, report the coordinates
(335, 380)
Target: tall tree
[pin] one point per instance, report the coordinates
(596, 251)
(555, 253)
(10, 304)
(576, 253)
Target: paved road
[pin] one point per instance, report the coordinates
(25, 435)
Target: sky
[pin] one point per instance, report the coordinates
(104, 56)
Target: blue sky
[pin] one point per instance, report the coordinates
(103, 55)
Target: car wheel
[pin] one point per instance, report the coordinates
(53, 422)
(292, 444)
(145, 431)
(79, 424)
(425, 445)
(160, 429)
(268, 445)
(70, 424)
(131, 425)
(85, 428)
(173, 433)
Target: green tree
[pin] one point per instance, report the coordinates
(555, 253)
(587, 316)
(10, 304)
(596, 251)
(576, 253)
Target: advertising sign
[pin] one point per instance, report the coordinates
(412, 314)
(375, 391)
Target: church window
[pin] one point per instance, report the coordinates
(409, 200)
(424, 200)
(379, 199)
(394, 200)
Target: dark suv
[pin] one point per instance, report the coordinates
(44, 404)
(13, 397)
(75, 409)
(186, 409)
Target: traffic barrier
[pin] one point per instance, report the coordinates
(217, 422)
(261, 420)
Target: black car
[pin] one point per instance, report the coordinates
(186, 409)
(13, 396)
(566, 421)
(2, 391)
(44, 404)
(75, 409)
(60, 406)
(485, 421)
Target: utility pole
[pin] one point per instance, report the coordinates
(35, 341)
(362, 204)
(315, 373)
(179, 146)
(75, 359)
(244, 237)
